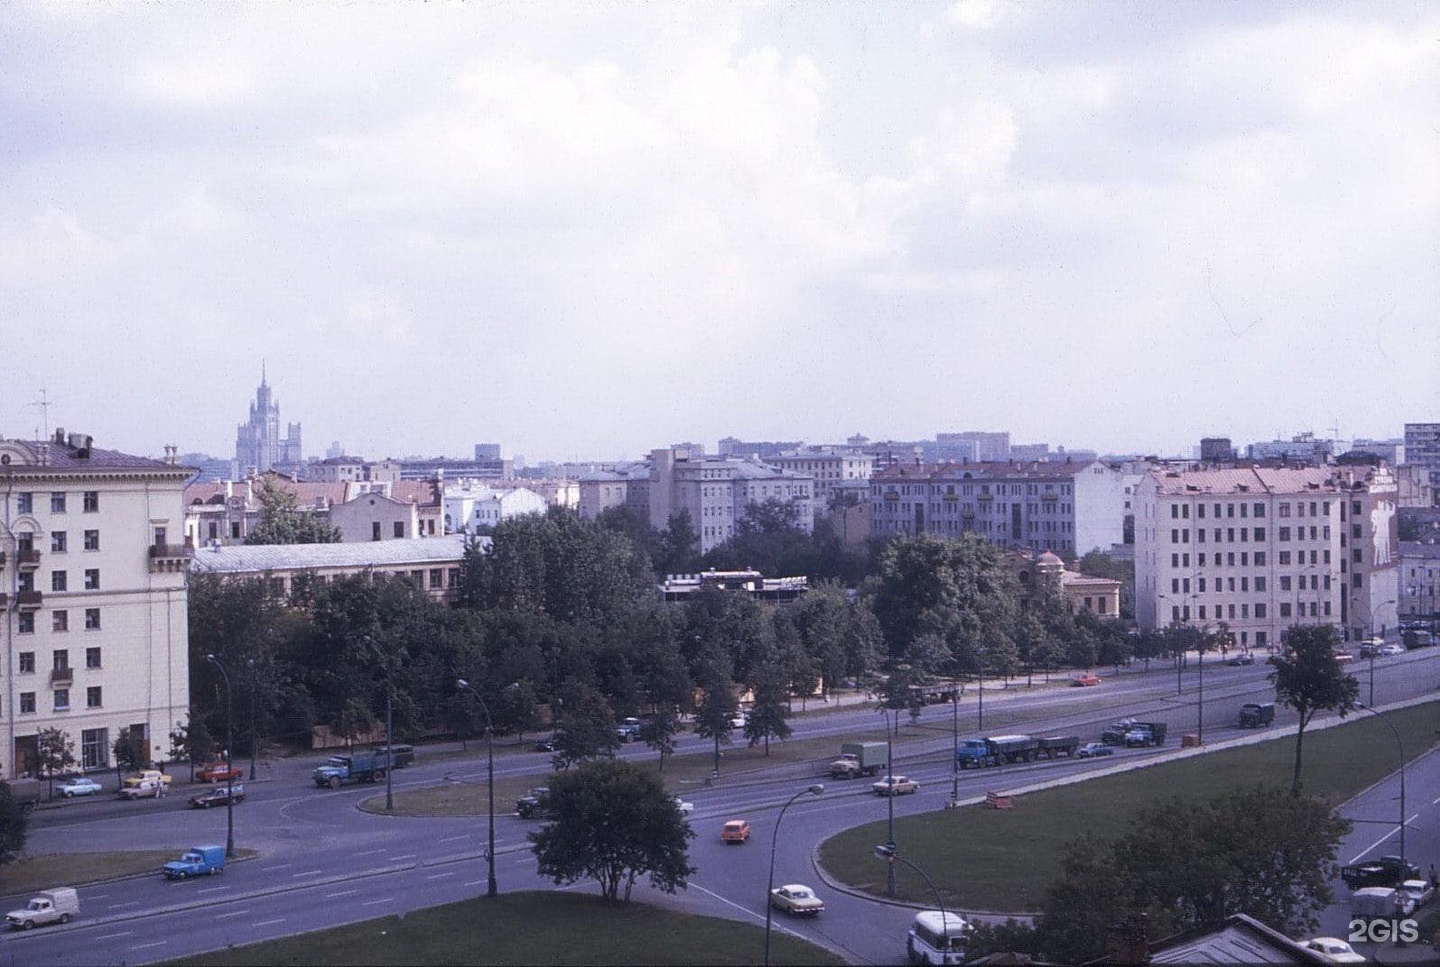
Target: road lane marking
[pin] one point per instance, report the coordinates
(370, 852)
(308, 873)
(267, 923)
(143, 946)
(407, 856)
(278, 866)
(371, 903)
(439, 876)
(212, 889)
(451, 839)
(118, 906)
(223, 916)
(331, 896)
(474, 882)
(112, 936)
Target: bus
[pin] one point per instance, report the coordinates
(937, 937)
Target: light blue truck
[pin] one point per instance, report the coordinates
(197, 861)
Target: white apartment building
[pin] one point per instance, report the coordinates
(829, 467)
(94, 601)
(1067, 508)
(1259, 549)
(718, 491)
(469, 509)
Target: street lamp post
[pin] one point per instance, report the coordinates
(250, 663)
(890, 854)
(491, 889)
(229, 762)
(389, 749)
(1400, 744)
(814, 790)
(955, 751)
(890, 798)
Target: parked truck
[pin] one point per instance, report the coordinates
(535, 804)
(1386, 871)
(25, 793)
(60, 905)
(860, 759)
(1145, 733)
(1254, 715)
(355, 767)
(1053, 745)
(197, 861)
(998, 750)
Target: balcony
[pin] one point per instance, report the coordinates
(27, 558)
(62, 676)
(28, 600)
(170, 557)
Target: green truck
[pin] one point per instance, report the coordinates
(340, 770)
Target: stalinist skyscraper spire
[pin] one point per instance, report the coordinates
(258, 444)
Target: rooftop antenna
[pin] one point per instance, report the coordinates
(44, 406)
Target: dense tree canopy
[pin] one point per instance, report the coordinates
(282, 522)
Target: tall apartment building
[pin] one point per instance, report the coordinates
(829, 467)
(258, 443)
(1068, 508)
(989, 447)
(93, 598)
(1422, 449)
(1261, 548)
(718, 491)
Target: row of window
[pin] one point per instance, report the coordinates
(59, 660)
(1225, 535)
(94, 698)
(1179, 613)
(60, 543)
(59, 621)
(60, 580)
(1182, 511)
(25, 502)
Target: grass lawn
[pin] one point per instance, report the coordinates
(49, 869)
(528, 928)
(990, 859)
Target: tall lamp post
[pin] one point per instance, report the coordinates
(955, 741)
(229, 764)
(1400, 744)
(889, 799)
(491, 889)
(814, 790)
(890, 854)
(250, 663)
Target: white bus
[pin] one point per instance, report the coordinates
(937, 937)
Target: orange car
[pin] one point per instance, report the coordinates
(735, 831)
(1085, 680)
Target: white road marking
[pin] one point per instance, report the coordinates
(451, 839)
(121, 906)
(407, 856)
(438, 876)
(370, 852)
(331, 896)
(143, 946)
(112, 936)
(225, 916)
(212, 889)
(277, 866)
(371, 903)
(474, 882)
(308, 873)
(267, 923)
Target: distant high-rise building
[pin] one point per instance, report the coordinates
(487, 451)
(1216, 449)
(258, 443)
(1422, 448)
(988, 446)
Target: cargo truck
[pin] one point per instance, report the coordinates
(860, 759)
(356, 767)
(25, 793)
(1254, 715)
(1053, 745)
(997, 750)
(60, 905)
(1145, 733)
(198, 861)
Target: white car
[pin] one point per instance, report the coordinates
(80, 786)
(895, 786)
(1335, 950)
(797, 899)
(1420, 891)
(686, 808)
(1391, 649)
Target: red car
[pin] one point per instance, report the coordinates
(220, 772)
(1085, 680)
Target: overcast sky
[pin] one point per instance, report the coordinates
(583, 230)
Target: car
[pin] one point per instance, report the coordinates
(535, 804)
(686, 808)
(1342, 657)
(545, 745)
(219, 796)
(628, 729)
(1335, 950)
(1241, 660)
(1086, 679)
(796, 899)
(1421, 892)
(145, 777)
(1090, 749)
(81, 786)
(220, 772)
(738, 720)
(895, 786)
(1391, 649)
(735, 831)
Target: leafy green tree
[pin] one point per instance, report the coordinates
(1308, 679)
(355, 721)
(130, 751)
(770, 709)
(584, 727)
(679, 551)
(614, 822)
(717, 707)
(282, 522)
(54, 752)
(13, 823)
(517, 709)
(659, 731)
(192, 743)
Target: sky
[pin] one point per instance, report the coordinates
(586, 230)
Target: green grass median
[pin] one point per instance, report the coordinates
(528, 928)
(1003, 860)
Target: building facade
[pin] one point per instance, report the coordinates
(831, 469)
(93, 599)
(717, 492)
(258, 444)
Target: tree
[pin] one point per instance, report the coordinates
(130, 751)
(585, 727)
(282, 522)
(717, 708)
(613, 823)
(1308, 679)
(54, 752)
(771, 707)
(13, 822)
(659, 733)
(192, 743)
(355, 721)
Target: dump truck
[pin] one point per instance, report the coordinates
(339, 770)
(1254, 715)
(196, 861)
(998, 750)
(1053, 745)
(860, 759)
(60, 905)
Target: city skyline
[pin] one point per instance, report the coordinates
(587, 231)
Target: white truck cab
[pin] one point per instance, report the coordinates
(60, 905)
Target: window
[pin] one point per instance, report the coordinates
(1259, 534)
(1284, 558)
(1284, 582)
(27, 662)
(60, 660)
(59, 621)
(399, 528)
(92, 619)
(1284, 534)
(92, 540)
(57, 503)
(94, 748)
(57, 581)
(1259, 584)
(25, 503)
(62, 699)
(92, 579)
(1284, 609)
(92, 657)
(27, 703)
(92, 697)
(57, 542)
(1284, 510)
(1260, 558)
(1259, 510)
(26, 623)
(1174, 560)
(92, 501)
(437, 577)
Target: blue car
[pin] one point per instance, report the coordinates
(77, 786)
